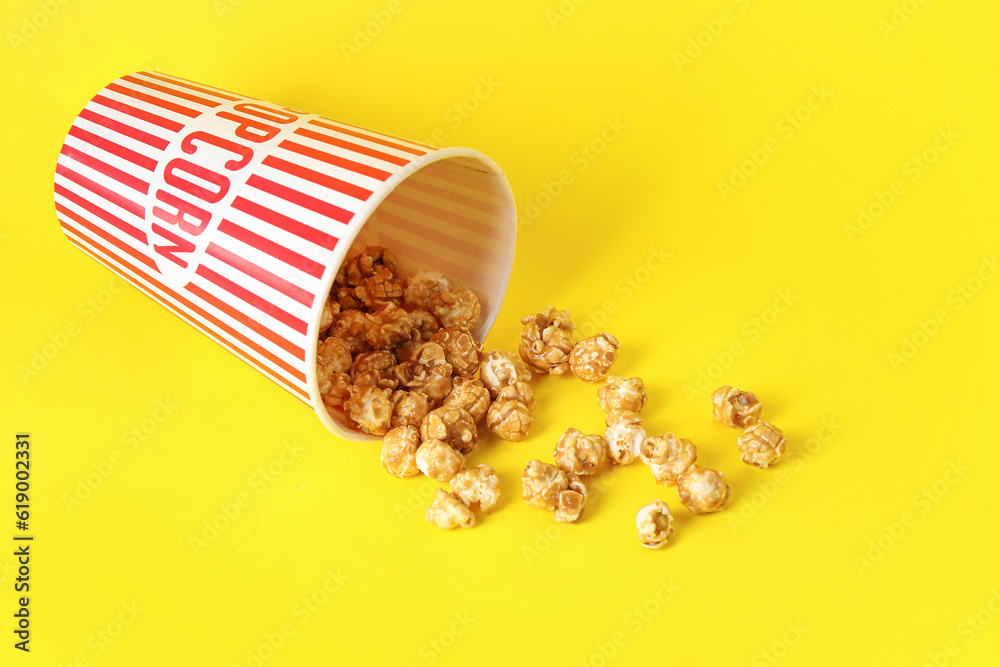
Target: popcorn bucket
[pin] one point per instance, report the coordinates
(235, 214)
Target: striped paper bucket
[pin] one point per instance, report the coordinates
(235, 214)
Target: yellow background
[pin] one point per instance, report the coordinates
(864, 546)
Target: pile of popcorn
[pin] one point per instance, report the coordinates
(398, 358)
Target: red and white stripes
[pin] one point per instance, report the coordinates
(234, 213)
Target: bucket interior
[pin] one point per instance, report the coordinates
(454, 214)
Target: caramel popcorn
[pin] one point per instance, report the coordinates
(541, 484)
(405, 349)
(431, 355)
(510, 419)
(452, 425)
(518, 391)
(735, 408)
(372, 260)
(352, 326)
(500, 368)
(330, 308)
(390, 325)
(570, 502)
(408, 408)
(580, 453)
(399, 451)
(380, 379)
(544, 486)
(424, 323)
(453, 306)
(703, 490)
(472, 396)
(334, 353)
(668, 456)
(333, 387)
(346, 299)
(477, 485)
(438, 460)
(379, 360)
(461, 350)
(591, 358)
(622, 393)
(510, 414)
(624, 436)
(655, 524)
(426, 372)
(399, 357)
(448, 511)
(340, 280)
(424, 286)
(761, 444)
(546, 341)
(369, 407)
(459, 307)
(380, 289)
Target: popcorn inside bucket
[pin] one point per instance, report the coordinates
(448, 250)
